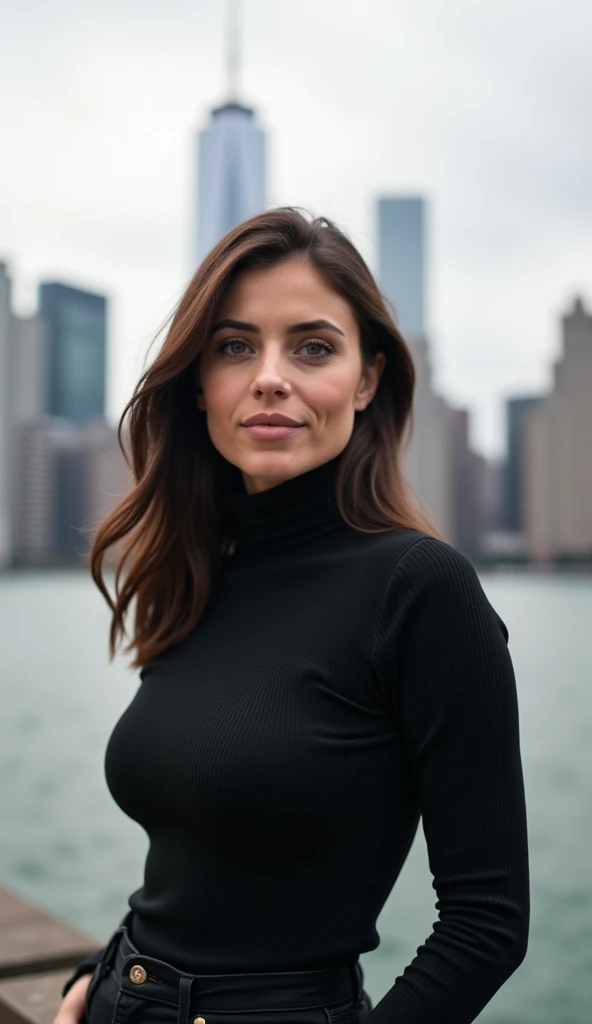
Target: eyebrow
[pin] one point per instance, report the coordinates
(307, 325)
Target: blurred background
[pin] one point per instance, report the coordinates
(451, 143)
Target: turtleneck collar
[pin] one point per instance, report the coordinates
(297, 511)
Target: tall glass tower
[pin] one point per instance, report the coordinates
(401, 230)
(230, 161)
(77, 342)
(402, 274)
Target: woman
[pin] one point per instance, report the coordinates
(318, 669)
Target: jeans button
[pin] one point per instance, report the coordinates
(137, 974)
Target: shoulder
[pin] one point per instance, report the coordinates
(429, 577)
(434, 564)
(420, 559)
(406, 559)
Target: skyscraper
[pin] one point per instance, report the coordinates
(468, 470)
(23, 368)
(230, 161)
(428, 461)
(401, 239)
(77, 342)
(517, 412)
(558, 454)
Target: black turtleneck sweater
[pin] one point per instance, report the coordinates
(338, 687)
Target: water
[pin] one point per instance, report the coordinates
(69, 848)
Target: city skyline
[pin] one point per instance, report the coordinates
(60, 464)
(101, 198)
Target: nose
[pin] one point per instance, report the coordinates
(269, 376)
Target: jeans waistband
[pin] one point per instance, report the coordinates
(146, 976)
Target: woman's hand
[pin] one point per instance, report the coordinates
(71, 1008)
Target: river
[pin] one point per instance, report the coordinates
(67, 846)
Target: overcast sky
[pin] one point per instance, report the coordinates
(483, 108)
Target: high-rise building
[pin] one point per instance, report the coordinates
(401, 241)
(29, 367)
(23, 371)
(69, 480)
(36, 496)
(469, 506)
(6, 418)
(76, 323)
(428, 460)
(517, 411)
(558, 451)
(230, 161)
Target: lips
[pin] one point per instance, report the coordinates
(267, 431)
(274, 419)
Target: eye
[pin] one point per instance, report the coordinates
(231, 341)
(326, 348)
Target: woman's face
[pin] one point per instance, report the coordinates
(284, 342)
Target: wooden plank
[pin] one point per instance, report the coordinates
(31, 941)
(33, 999)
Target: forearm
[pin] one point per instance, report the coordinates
(457, 971)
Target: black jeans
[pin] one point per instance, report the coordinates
(128, 987)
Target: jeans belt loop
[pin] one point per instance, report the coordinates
(358, 980)
(111, 949)
(185, 984)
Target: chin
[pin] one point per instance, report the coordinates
(273, 467)
(270, 463)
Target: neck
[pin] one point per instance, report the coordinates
(294, 512)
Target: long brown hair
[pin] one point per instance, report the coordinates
(171, 530)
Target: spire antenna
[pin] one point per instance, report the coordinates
(232, 50)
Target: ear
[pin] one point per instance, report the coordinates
(369, 382)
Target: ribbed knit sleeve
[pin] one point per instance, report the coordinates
(85, 966)
(441, 649)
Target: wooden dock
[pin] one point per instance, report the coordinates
(37, 954)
